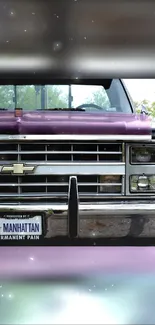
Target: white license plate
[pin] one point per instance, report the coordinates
(20, 228)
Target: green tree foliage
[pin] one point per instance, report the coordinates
(99, 98)
(28, 98)
(6, 96)
(150, 107)
(56, 98)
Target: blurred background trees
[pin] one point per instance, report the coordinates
(30, 98)
(150, 107)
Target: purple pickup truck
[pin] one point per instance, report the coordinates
(76, 161)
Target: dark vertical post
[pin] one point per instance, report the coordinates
(73, 208)
(70, 97)
(15, 96)
(43, 97)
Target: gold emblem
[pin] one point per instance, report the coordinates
(17, 169)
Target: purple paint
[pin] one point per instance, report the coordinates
(55, 261)
(74, 123)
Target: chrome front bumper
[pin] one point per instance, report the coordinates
(86, 210)
(109, 220)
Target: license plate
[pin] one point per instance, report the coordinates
(21, 227)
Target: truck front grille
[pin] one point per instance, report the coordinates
(52, 185)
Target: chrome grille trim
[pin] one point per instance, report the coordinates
(77, 169)
(85, 209)
(86, 160)
(22, 187)
(62, 152)
(61, 184)
(75, 137)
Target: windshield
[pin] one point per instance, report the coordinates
(108, 98)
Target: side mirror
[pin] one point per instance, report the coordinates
(144, 110)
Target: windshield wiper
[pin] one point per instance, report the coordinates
(62, 109)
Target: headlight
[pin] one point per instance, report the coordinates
(142, 155)
(142, 183)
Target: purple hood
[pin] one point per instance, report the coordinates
(61, 122)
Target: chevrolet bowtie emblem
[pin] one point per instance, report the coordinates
(17, 169)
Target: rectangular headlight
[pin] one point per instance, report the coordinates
(142, 183)
(142, 154)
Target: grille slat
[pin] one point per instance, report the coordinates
(56, 186)
(20, 185)
(61, 152)
(60, 184)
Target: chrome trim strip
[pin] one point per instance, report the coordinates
(47, 152)
(68, 163)
(75, 137)
(141, 169)
(89, 210)
(12, 199)
(61, 195)
(61, 184)
(77, 169)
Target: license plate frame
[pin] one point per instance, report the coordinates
(25, 216)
